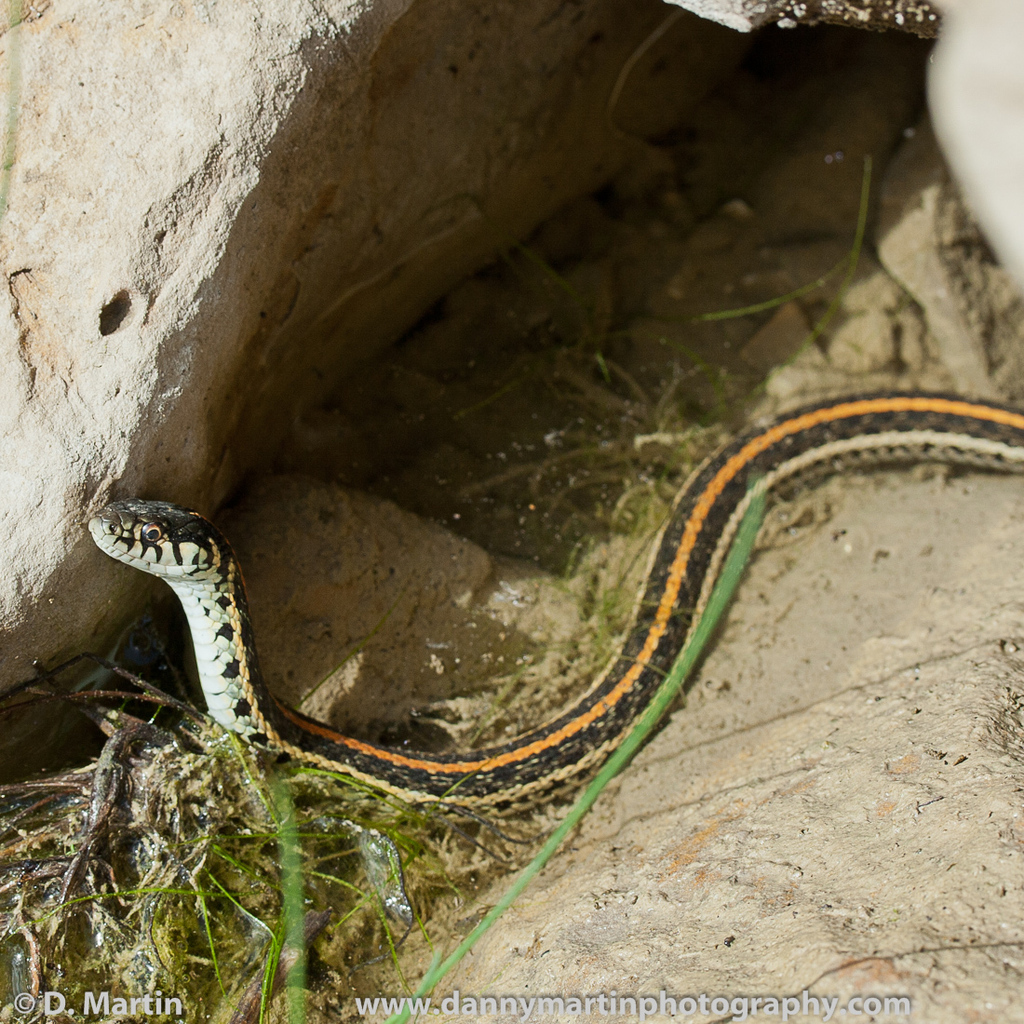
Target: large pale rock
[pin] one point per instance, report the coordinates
(976, 86)
(943, 314)
(215, 209)
(837, 810)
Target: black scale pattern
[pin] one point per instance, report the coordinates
(529, 773)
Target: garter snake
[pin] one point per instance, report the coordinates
(193, 557)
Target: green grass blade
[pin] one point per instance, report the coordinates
(779, 300)
(739, 554)
(209, 938)
(293, 903)
(849, 261)
(854, 256)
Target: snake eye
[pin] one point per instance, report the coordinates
(152, 533)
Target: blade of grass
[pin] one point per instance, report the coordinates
(269, 972)
(714, 375)
(779, 300)
(238, 906)
(739, 554)
(244, 869)
(256, 785)
(849, 261)
(631, 62)
(560, 282)
(852, 260)
(358, 647)
(209, 938)
(463, 413)
(292, 904)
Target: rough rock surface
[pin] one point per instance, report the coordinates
(911, 245)
(215, 208)
(944, 314)
(918, 16)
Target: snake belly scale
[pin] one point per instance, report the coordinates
(192, 556)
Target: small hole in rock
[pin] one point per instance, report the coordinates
(113, 314)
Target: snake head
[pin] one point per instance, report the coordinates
(160, 538)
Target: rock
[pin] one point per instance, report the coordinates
(929, 242)
(908, 248)
(942, 315)
(804, 379)
(388, 626)
(780, 339)
(849, 829)
(393, 629)
(866, 342)
(215, 210)
(917, 16)
(975, 89)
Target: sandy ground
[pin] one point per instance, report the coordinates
(837, 810)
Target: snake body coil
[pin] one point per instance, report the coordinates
(192, 556)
